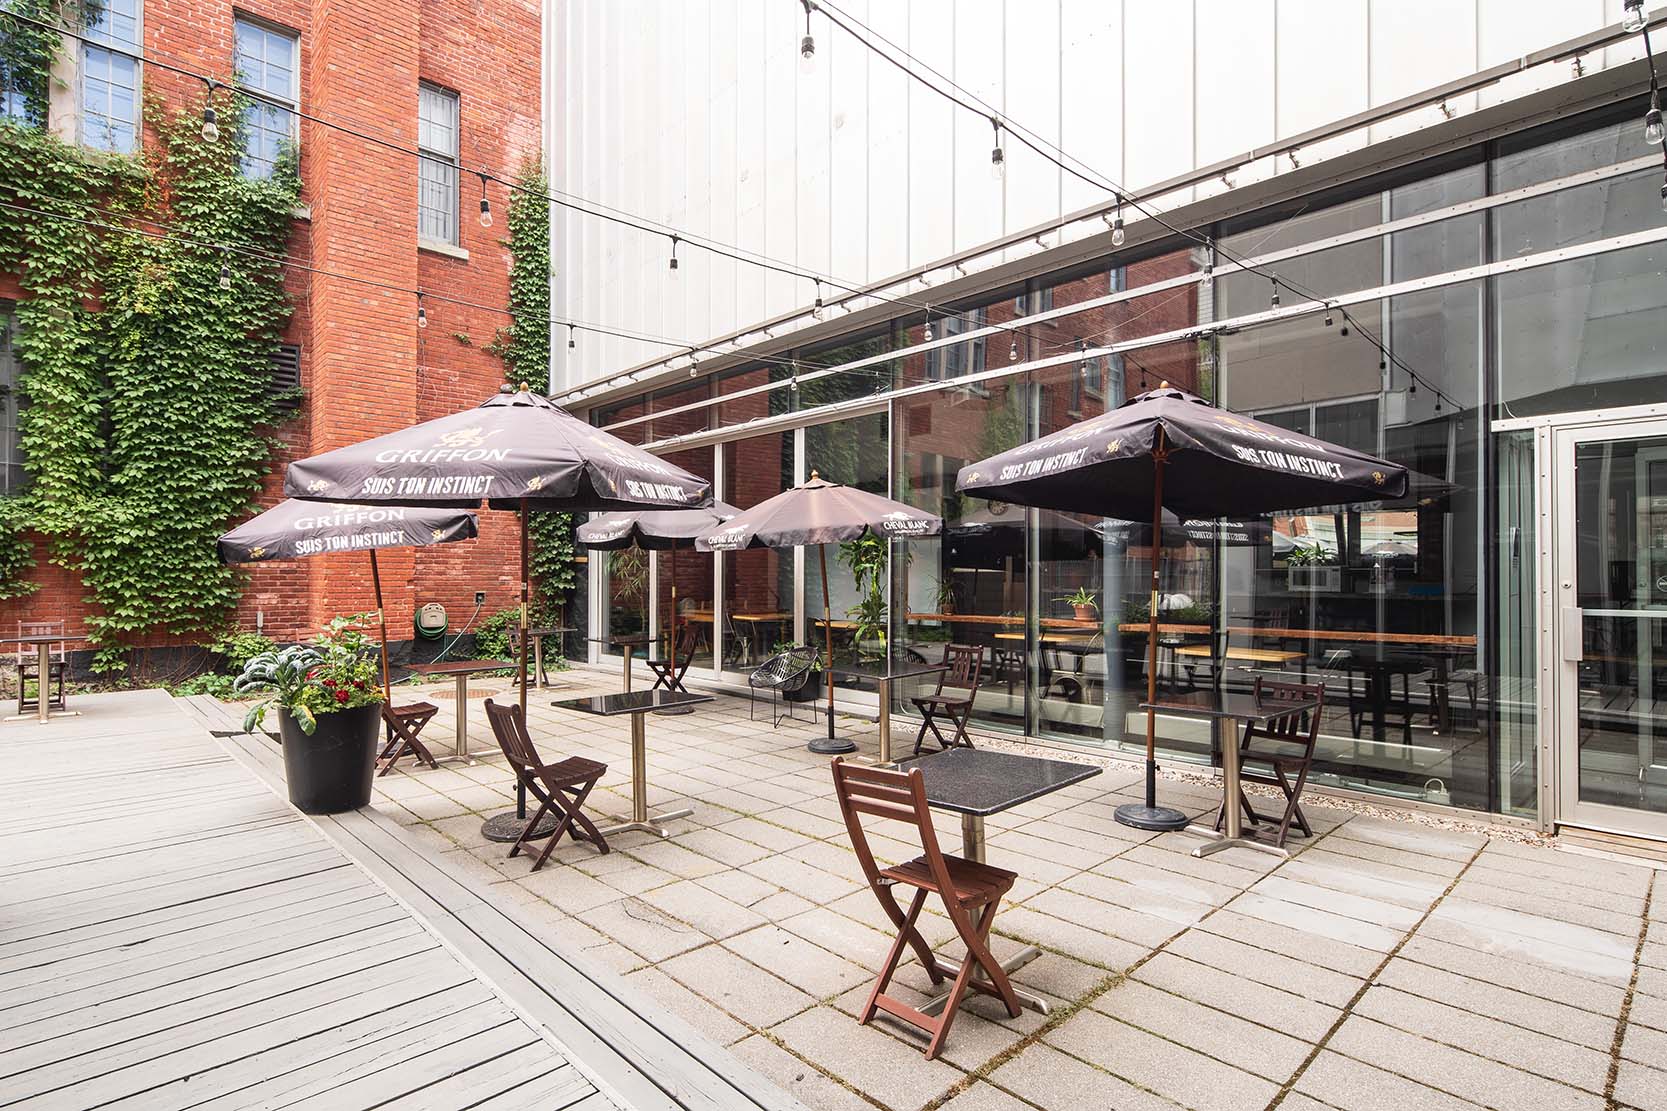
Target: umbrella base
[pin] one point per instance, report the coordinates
(506, 827)
(1138, 815)
(831, 746)
(674, 711)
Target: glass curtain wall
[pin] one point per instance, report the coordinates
(684, 581)
(756, 613)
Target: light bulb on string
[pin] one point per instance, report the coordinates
(998, 157)
(1632, 16)
(225, 275)
(672, 263)
(1013, 351)
(1274, 302)
(485, 205)
(1117, 235)
(1328, 320)
(1412, 387)
(817, 310)
(422, 313)
(1664, 196)
(928, 324)
(571, 342)
(807, 45)
(211, 125)
(1653, 131)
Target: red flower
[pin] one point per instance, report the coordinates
(359, 684)
(342, 696)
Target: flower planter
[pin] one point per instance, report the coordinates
(814, 688)
(1084, 613)
(330, 771)
(1320, 577)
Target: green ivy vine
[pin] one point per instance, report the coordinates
(524, 347)
(145, 424)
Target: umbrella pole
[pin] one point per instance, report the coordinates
(525, 592)
(827, 633)
(382, 620)
(1151, 815)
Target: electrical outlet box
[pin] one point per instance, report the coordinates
(480, 597)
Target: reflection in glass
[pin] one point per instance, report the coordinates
(756, 614)
(684, 581)
(852, 452)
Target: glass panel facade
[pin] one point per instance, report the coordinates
(12, 477)
(437, 139)
(1418, 615)
(110, 80)
(685, 582)
(852, 452)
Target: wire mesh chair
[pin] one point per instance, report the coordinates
(783, 674)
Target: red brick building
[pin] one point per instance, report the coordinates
(457, 79)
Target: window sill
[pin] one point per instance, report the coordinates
(436, 247)
(302, 212)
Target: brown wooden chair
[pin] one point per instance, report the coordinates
(664, 675)
(28, 668)
(952, 698)
(560, 788)
(1287, 751)
(403, 723)
(970, 892)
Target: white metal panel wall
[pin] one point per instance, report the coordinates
(694, 114)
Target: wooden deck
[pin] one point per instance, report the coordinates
(173, 935)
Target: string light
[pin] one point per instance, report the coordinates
(1328, 316)
(928, 323)
(211, 119)
(817, 310)
(422, 314)
(998, 159)
(1117, 235)
(1013, 351)
(807, 45)
(225, 273)
(571, 342)
(485, 205)
(672, 264)
(1274, 302)
(1632, 16)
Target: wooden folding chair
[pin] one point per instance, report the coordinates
(403, 724)
(664, 674)
(952, 698)
(1288, 753)
(970, 892)
(561, 787)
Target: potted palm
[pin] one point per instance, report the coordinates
(329, 709)
(1081, 603)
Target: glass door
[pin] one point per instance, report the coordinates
(1611, 627)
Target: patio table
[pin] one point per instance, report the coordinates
(1224, 711)
(626, 643)
(460, 670)
(42, 643)
(638, 704)
(1380, 669)
(884, 672)
(537, 635)
(978, 782)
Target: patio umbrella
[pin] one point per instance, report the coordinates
(820, 513)
(1171, 449)
(293, 529)
(515, 451)
(664, 530)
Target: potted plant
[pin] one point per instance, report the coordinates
(1082, 604)
(329, 713)
(943, 596)
(1311, 567)
(866, 557)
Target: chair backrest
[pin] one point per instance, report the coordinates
(783, 669)
(27, 652)
(966, 666)
(687, 637)
(511, 730)
(1303, 728)
(898, 796)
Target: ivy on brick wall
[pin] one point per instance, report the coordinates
(147, 407)
(525, 348)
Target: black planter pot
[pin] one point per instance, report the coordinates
(330, 771)
(814, 688)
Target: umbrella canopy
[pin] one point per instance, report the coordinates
(295, 528)
(1169, 449)
(819, 512)
(515, 448)
(655, 530)
(1216, 463)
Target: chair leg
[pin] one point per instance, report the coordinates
(960, 737)
(1293, 808)
(978, 956)
(569, 809)
(925, 720)
(906, 935)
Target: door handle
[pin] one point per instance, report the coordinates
(1573, 638)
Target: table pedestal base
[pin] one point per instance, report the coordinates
(508, 827)
(1218, 841)
(641, 821)
(648, 823)
(1017, 961)
(50, 714)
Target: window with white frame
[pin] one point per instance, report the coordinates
(268, 62)
(12, 478)
(956, 359)
(110, 77)
(437, 169)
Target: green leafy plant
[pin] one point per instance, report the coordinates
(17, 554)
(1309, 555)
(306, 681)
(492, 634)
(945, 594)
(781, 646)
(147, 411)
(1082, 597)
(866, 558)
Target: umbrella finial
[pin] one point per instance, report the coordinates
(524, 388)
(506, 388)
(1163, 385)
(815, 475)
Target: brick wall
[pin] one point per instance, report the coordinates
(366, 367)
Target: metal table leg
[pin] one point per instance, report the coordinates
(972, 847)
(462, 752)
(43, 684)
(885, 722)
(625, 651)
(640, 818)
(1233, 819)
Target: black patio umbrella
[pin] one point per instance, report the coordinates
(515, 451)
(663, 530)
(293, 529)
(820, 513)
(1171, 449)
